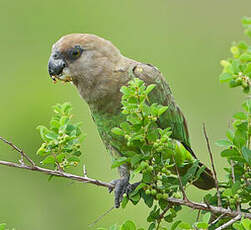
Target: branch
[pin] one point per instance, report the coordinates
(217, 219)
(229, 223)
(23, 155)
(180, 182)
(58, 173)
(212, 163)
(85, 179)
(190, 204)
(233, 178)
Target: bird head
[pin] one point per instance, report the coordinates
(82, 57)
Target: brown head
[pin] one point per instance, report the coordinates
(91, 63)
(78, 56)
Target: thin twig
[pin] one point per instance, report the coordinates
(161, 216)
(180, 182)
(233, 177)
(217, 219)
(23, 155)
(229, 222)
(100, 217)
(198, 216)
(213, 167)
(84, 171)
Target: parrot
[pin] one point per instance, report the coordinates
(98, 70)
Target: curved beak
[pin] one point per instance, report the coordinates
(56, 67)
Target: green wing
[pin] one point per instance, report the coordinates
(173, 117)
(162, 94)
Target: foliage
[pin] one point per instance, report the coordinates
(155, 156)
(3, 227)
(154, 153)
(61, 146)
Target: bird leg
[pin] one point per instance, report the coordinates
(122, 185)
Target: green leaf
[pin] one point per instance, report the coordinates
(246, 21)
(2, 226)
(198, 173)
(128, 225)
(119, 161)
(125, 90)
(224, 77)
(223, 143)
(152, 226)
(201, 225)
(42, 151)
(66, 107)
(54, 124)
(118, 131)
(48, 160)
(77, 153)
(206, 217)
(230, 134)
(238, 226)
(60, 157)
(248, 68)
(124, 202)
(236, 66)
(51, 136)
(162, 110)
(63, 120)
(246, 154)
(125, 126)
(246, 224)
(245, 57)
(150, 88)
(135, 159)
(73, 159)
(148, 199)
(236, 186)
(175, 224)
(43, 131)
(230, 153)
(241, 116)
(147, 177)
(190, 173)
(247, 105)
(114, 227)
(140, 186)
(227, 192)
(69, 130)
(243, 45)
(240, 137)
(135, 199)
(185, 225)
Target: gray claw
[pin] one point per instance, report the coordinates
(122, 187)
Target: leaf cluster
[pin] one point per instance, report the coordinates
(61, 141)
(237, 69)
(153, 153)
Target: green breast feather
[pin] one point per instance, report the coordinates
(172, 118)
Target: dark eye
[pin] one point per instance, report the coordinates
(76, 52)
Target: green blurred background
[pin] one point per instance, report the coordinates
(185, 39)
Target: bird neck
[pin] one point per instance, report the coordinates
(102, 91)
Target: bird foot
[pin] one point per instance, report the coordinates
(121, 187)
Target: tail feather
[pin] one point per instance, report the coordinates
(206, 180)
